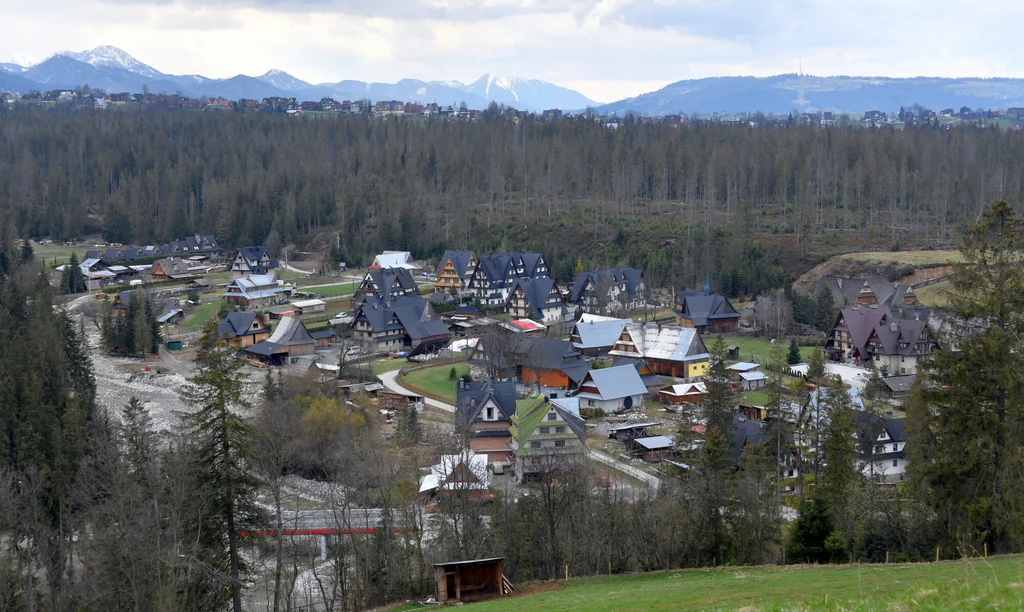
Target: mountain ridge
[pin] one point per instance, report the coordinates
(114, 70)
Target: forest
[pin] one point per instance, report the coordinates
(747, 207)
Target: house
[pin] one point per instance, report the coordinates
(255, 291)
(612, 390)
(484, 411)
(706, 312)
(170, 268)
(122, 300)
(546, 439)
(394, 259)
(874, 334)
(323, 337)
(899, 387)
(652, 449)
(536, 298)
(670, 350)
(402, 323)
(877, 290)
(652, 381)
(309, 306)
(746, 374)
(549, 363)
(612, 291)
(243, 329)
(594, 336)
(289, 340)
(454, 271)
(685, 393)
(386, 284)
(464, 473)
(746, 432)
(253, 260)
(881, 446)
(494, 274)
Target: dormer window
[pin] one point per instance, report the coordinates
(490, 413)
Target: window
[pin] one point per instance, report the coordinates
(878, 448)
(490, 413)
(552, 416)
(559, 430)
(895, 463)
(545, 430)
(895, 447)
(791, 473)
(535, 444)
(559, 443)
(590, 403)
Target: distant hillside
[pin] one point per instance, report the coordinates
(789, 92)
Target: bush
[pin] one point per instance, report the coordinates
(811, 529)
(451, 374)
(835, 546)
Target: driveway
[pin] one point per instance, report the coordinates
(390, 380)
(642, 476)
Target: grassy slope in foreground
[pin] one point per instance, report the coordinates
(974, 584)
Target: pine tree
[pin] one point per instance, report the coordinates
(26, 251)
(718, 405)
(137, 433)
(836, 443)
(222, 438)
(824, 310)
(816, 364)
(793, 356)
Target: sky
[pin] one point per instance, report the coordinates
(606, 49)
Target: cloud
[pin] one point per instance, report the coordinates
(608, 49)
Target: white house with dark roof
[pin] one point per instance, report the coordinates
(882, 446)
(253, 260)
(595, 336)
(536, 298)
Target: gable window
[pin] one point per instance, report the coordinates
(545, 430)
(895, 447)
(559, 430)
(490, 413)
(552, 416)
(534, 444)
(559, 443)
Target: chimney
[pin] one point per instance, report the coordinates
(894, 326)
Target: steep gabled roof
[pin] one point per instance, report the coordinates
(615, 382)
(665, 342)
(413, 315)
(471, 397)
(548, 354)
(461, 261)
(238, 324)
(290, 332)
(598, 334)
(612, 276)
(702, 308)
(390, 280)
(174, 267)
(540, 293)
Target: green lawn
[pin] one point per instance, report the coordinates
(331, 290)
(935, 296)
(389, 365)
(435, 380)
(202, 313)
(47, 253)
(974, 584)
(754, 398)
(756, 345)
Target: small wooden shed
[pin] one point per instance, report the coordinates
(479, 579)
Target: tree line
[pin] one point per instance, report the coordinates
(687, 204)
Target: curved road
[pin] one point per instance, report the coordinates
(391, 384)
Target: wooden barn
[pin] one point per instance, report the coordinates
(470, 580)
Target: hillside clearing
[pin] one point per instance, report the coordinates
(970, 584)
(875, 263)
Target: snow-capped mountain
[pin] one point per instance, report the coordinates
(527, 93)
(106, 56)
(114, 70)
(284, 81)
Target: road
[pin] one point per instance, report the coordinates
(294, 269)
(642, 476)
(391, 384)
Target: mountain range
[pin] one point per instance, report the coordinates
(845, 94)
(114, 70)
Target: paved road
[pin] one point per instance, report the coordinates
(293, 268)
(652, 481)
(390, 382)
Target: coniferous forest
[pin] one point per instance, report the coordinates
(740, 204)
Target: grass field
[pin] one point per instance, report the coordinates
(202, 313)
(935, 295)
(389, 365)
(908, 257)
(975, 584)
(331, 290)
(435, 380)
(756, 345)
(47, 253)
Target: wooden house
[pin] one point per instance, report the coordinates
(243, 329)
(706, 312)
(670, 350)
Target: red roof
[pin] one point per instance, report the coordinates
(526, 324)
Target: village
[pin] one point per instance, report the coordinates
(529, 371)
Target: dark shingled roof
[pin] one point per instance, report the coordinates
(613, 276)
(392, 281)
(254, 254)
(404, 314)
(744, 431)
(471, 397)
(878, 330)
(237, 324)
(845, 291)
(540, 293)
(460, 261)
(701, 308)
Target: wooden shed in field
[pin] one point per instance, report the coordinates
(472, 580)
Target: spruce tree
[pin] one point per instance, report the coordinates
(793, 356)
(824, 310)
(26, 251)
(836, 443)
(966, 417)
(718, 405)
(222, 437)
